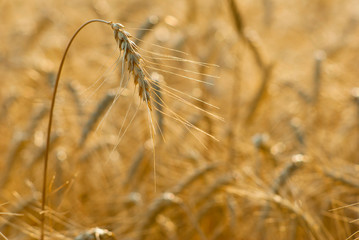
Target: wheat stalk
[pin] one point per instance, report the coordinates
(135, 68)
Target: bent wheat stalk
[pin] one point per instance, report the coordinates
(135, 67)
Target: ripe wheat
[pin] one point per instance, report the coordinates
(132, 65)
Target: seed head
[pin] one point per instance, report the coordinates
(134, 61)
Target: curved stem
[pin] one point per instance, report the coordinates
(43, 203)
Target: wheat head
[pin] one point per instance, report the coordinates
(135, 63)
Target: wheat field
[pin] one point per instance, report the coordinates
(246, 125)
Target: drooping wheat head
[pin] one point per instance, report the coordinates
(135, 63)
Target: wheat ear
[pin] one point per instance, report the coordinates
(135, 67)
(135, 63)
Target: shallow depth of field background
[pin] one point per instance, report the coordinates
(285, 165)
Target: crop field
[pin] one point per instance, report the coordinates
(179, 120)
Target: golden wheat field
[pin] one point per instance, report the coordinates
(190, 119)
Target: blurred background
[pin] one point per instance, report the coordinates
(280, 160)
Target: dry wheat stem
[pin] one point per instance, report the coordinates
(43, 203)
